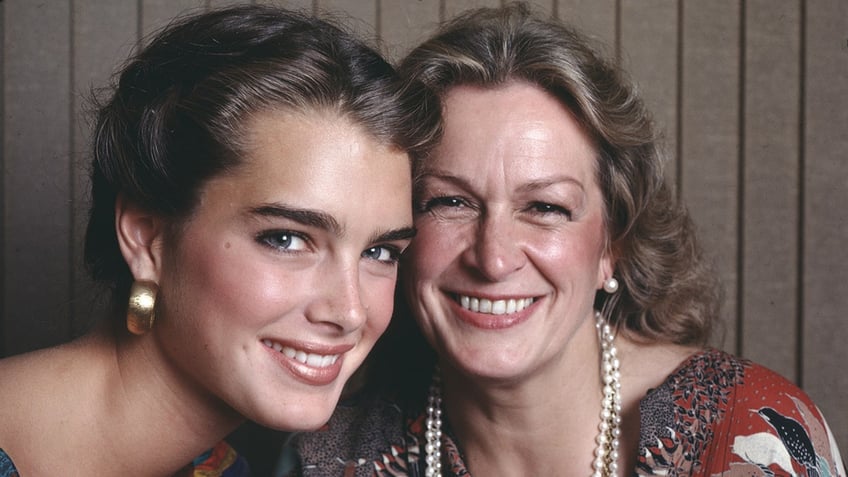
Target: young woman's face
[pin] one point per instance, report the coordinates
(510, 246)
(281, 281)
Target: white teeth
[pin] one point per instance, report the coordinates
(309, 359)
(496, 307)
(314, 360)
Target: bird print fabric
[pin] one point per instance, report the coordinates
(729, 417)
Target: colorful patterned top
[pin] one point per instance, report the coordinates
(716, 415)
(220, 461)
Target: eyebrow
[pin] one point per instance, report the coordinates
(308, 217)
(541, 184)
(325, 221)
(405, 233)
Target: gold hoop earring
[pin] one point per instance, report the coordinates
(141, 312)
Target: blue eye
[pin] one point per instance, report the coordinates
(382, 253)
(283, 240)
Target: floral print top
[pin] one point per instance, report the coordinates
(716, 415)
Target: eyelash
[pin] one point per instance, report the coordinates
(545, 208)
(542, 208)
(274, 239)
(394, 254)
(444, 201)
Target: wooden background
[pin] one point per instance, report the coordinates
(753, 95)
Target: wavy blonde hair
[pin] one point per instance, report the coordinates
(669, 292)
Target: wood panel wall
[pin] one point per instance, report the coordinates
(752, 94)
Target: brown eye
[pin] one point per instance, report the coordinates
(545, 208)
(444, 202)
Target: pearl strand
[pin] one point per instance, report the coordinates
(606, 453)
(433, 430)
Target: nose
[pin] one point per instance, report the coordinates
(496, 253)
(339, 303)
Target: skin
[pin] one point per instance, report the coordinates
(296, 248)
(510, 209)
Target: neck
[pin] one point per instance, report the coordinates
(100, 407)
(171, 417)
(538, 425)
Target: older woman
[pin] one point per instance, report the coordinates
(251, 197)
(562, 289)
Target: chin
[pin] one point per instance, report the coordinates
(298, 413)
(304, 419)
(490, 366)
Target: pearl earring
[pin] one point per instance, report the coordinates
(611, 285)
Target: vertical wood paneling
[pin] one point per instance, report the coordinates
(305, 5)
(359, 15)
(596, 18)
(546, 7)
(710, 136)
(157, 13)
(405, 24)
(3, 310)
(649, 52)
(36, 173)
(760, 98)
(825, 219)
(770, 267)
(452, 7)
(223, 3)
(104, 35)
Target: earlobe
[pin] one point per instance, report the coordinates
(140, 233)
(606, 268)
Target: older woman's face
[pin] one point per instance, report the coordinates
(283, 279)
(510, 246)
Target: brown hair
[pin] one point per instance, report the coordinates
(669, 293)
(177, 115)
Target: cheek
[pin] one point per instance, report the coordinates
(554, 253)
(378, 299)
(229, 283)
(432, 250)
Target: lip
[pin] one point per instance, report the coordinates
(310, 363)
(489, 321)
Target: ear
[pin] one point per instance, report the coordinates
(606, 267)
(140, 236)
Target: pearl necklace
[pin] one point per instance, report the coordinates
(606, 453)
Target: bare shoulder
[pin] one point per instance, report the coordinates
(39, 385)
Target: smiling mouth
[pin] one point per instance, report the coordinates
(309, 359)
(493, 307)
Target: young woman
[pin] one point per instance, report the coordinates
(251, 195)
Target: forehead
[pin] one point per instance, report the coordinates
(317, 160)
(517, 123)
